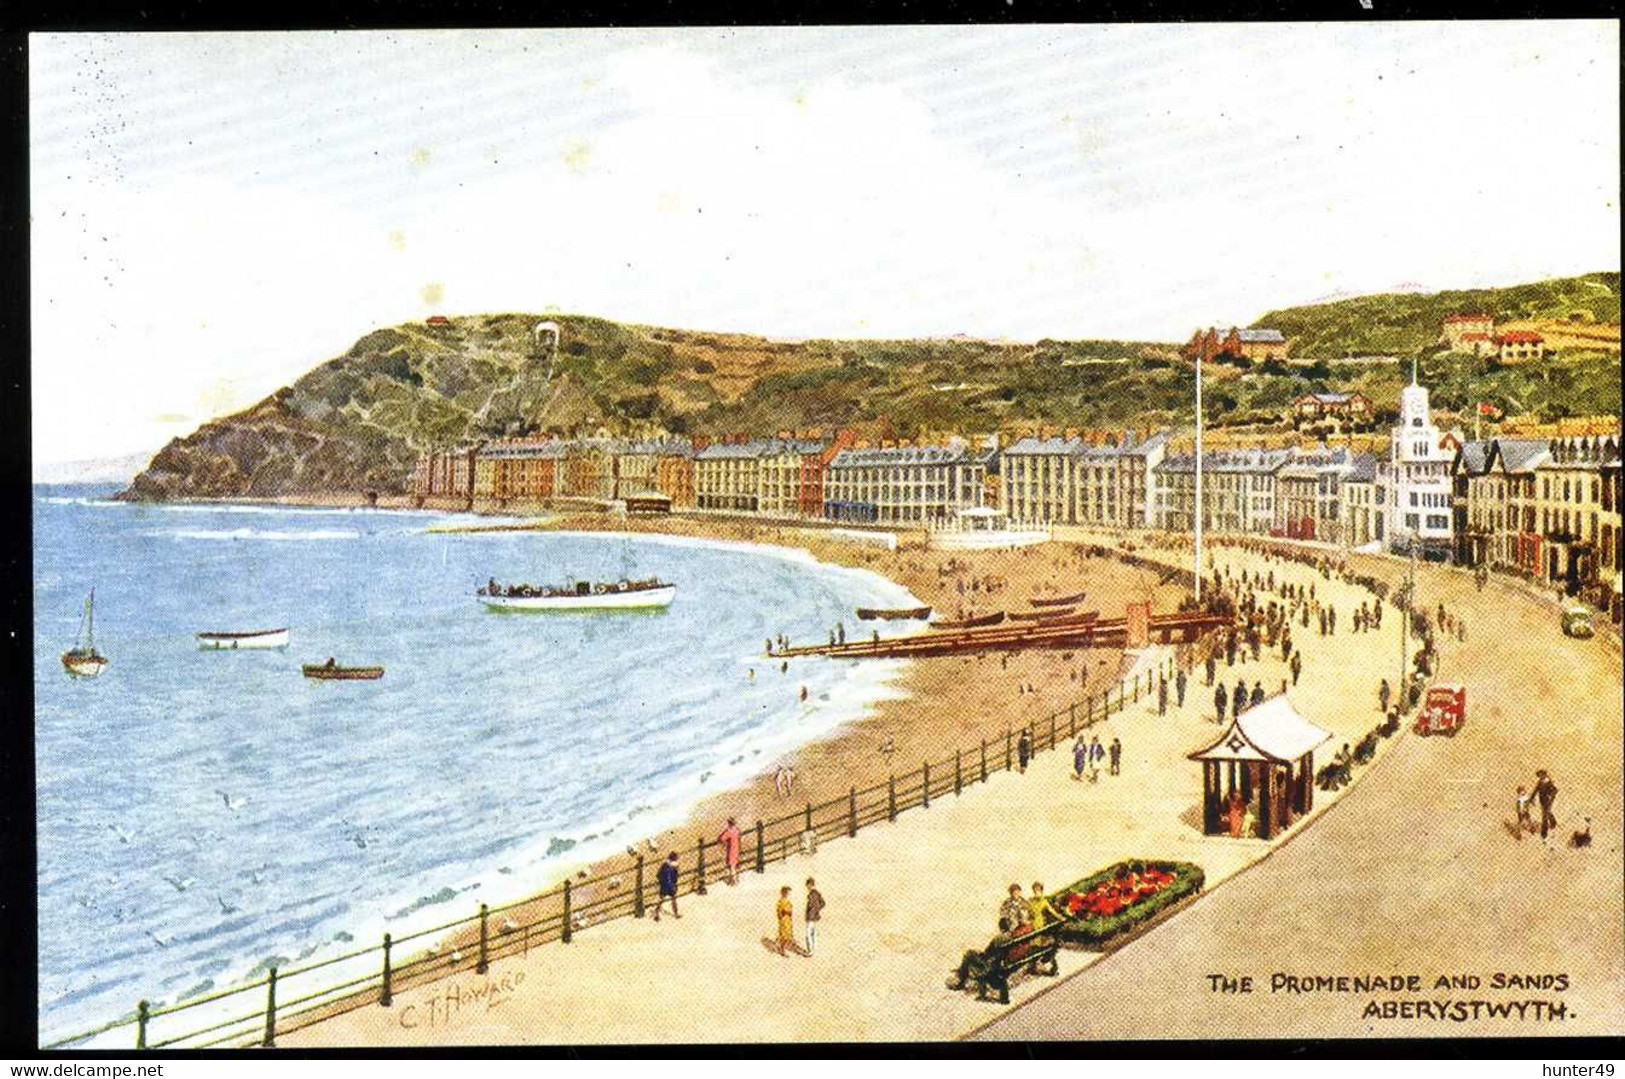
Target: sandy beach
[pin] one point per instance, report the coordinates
(913, 894)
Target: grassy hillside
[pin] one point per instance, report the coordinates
(359, 421)
(1406, 323)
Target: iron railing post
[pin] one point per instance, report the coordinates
(959, 781)
(387, 997)
(699, 873)
(925, 786)
(637, 894)
(891, 797)
(143, 1012)
(852, 812)
(270, 1009)
(761, 851)
(483, 965)
(565, 934)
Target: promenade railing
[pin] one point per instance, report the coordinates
(289, 998)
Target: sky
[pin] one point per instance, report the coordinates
(215, 214)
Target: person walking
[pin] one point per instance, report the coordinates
(1024, 751)
(1162, 695)
(815, 913)
(1220, 699)
(1331, 620)
(1297, 666)
(1545, 794)
(1258, 695)
(1080, 757)
(729, 838)
(666, 879)
(1383, 693)
(1117, 756)
(785, 911)
(1525, 821)
(1238, 698)
(1209, 668)
(1097, 752)
(1179, 687)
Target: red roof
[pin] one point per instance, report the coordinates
(437, 320)
(1521, 337)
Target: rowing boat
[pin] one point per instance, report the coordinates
(894, 613)
(1058, 601)
(1041, 615)
(972, 623)
(331, 673)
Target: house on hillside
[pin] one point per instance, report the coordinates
(1515, 346)
(1469, 333)
(1343, 408)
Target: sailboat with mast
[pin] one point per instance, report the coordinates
(82, 660)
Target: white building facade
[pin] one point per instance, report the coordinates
(1417, 477)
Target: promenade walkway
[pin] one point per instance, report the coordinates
(905, 899)
(1418, 872)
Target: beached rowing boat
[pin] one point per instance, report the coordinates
(894, 613)
(1042, 615)
(331, 672)
(215, 641)
(1058, 601)
(581, 596)
(972, 623)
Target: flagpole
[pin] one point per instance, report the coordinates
(1198, 521)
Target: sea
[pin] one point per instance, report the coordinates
(203, 816)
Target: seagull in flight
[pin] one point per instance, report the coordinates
(124, 836)
(160, 941)
(233, 804)
(181, 885)
(226, 908)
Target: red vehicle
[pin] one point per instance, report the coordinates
(1444, 710)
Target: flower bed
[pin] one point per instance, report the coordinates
(1120, 897)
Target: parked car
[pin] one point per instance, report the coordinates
(1577, 621)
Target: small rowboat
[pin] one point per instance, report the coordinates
(1058, 601)
(332, 673)
(972, 623)
(212, 641)
(894, 613)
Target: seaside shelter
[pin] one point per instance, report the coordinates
(1268, 755)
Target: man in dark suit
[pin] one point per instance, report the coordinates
(1545, 794)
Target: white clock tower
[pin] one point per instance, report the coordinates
(1418, 470)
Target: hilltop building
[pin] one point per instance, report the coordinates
(1516, 346)
(1256, 344)
(1473, 333)
(1344, 409)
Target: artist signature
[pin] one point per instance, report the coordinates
(444, 1005)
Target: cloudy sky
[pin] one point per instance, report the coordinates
(215, 214)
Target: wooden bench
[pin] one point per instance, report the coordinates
(1032, 952)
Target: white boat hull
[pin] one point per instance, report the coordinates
(644, 599)
(87, 667)
(231, 642)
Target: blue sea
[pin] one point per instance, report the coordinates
(204, 815)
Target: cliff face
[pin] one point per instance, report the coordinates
(358, 422)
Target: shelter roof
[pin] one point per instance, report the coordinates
(1274, 731)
